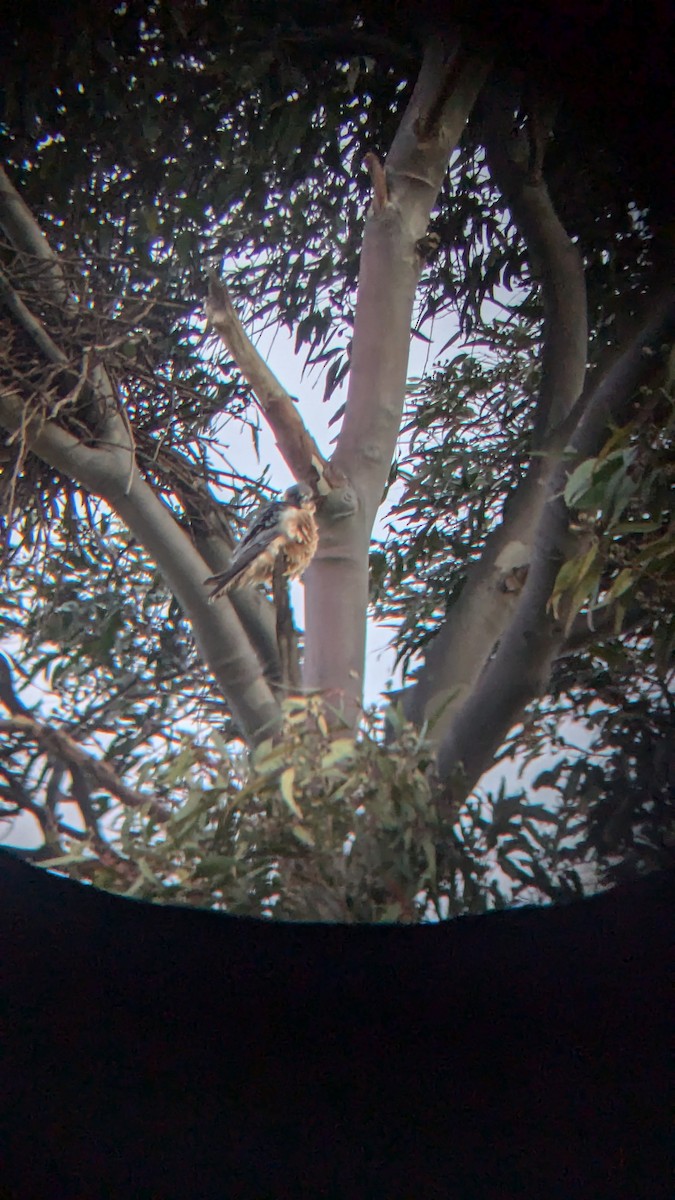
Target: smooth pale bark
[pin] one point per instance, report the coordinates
(554, 261)
(455, 658)
(336, 584)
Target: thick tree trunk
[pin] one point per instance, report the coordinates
(404, 194)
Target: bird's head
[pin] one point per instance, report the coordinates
(300, 495)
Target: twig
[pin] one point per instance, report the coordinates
(57, 742)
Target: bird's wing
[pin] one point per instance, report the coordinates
(255, 566)
(253, 560)
(262, 529)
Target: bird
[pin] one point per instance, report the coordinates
(285, 526)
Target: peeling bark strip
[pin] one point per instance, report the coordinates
(428, 124)
(294, 441)
(378, 179)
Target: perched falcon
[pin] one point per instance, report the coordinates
(285, 526)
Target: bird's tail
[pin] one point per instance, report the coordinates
(223, 582)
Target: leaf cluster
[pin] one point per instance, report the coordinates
(466, 442)
(623, 504)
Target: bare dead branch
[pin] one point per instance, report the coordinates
(34, 328)
(8, 696)
(287, 636)
(14, 800)
(294, 441)
(81, 791)
(378, 179)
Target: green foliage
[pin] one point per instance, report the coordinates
(318, 826)
(623, 501)
(310, 825)
(606, 733)
(107, 655)
(465, 447)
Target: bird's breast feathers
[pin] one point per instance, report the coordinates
(300, 539)
(298, 526)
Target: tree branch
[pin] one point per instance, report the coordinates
(26, 236)
(554, 259)
(56, 742)
(255, 611)
(109, 470)
(456, 657)
(8, 696)
(518, 671)
(34, 328)
(13, 793)
(213, 539)
(641, 361)
(296, 444)
(390, 265)
(105, 471)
